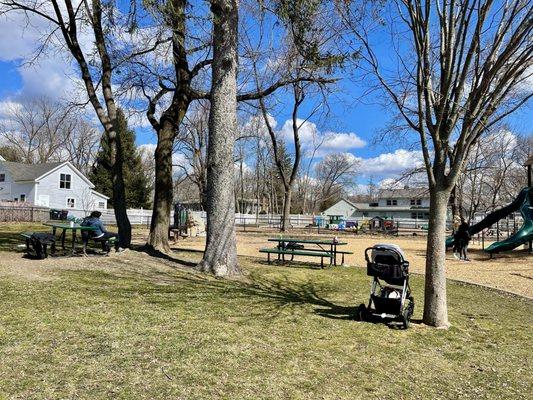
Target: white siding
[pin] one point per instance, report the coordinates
(23, 188)
(10, 190)
(402, 202)
(5, 187)
(342, 207)
(79, 190)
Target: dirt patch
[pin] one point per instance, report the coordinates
(512, 272)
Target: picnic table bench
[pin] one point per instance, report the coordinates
(291, 246)
(64, 227)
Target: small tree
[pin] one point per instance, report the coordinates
(463, 73)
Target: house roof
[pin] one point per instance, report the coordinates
(404, 193)
(28, 172)
(100, 194)
(21, 172)
(529, 161)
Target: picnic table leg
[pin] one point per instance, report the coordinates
(268, 256)
(73, 241)
(53, 246)
(63, 238)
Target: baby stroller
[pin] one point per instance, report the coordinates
(390, 295)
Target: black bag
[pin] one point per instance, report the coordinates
(295, 246)
(39, 243)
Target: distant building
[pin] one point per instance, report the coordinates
(390, 204)
(56, 185)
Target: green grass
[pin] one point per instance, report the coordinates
(10, 233)
(139, 332)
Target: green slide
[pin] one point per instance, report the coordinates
(522, 202)
(524, 234)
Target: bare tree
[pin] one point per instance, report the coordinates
(335, 174)
(192, 143)
(81, 143)
(67, 22)
(36, 130)
(463, 73)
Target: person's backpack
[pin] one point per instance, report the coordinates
(39, 243)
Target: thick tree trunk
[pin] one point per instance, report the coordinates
(286, 219)
(220, 257)
(435, 307)
(119, 192)
(158, 239)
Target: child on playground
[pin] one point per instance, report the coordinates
(461, 239)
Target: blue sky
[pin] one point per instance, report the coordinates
(349, 112)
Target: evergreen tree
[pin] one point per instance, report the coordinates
(137, 183)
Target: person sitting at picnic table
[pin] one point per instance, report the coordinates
(99, 231)
(461, 239)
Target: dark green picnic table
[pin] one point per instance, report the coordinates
(320, 243)
(66, 227)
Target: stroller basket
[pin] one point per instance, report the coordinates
(387, 305)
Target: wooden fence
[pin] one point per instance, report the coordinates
(20, 212)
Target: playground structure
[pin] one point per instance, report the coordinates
(522, 203)
(186, 223)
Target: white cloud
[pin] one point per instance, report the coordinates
(342, 141)
(331, 142)
(391, 164)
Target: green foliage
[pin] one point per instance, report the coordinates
(137, 183)
(303, 18)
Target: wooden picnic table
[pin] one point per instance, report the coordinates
(65, 227)
(332, 244)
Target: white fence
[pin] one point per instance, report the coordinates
(244, 221)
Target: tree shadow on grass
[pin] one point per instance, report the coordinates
(167, 257)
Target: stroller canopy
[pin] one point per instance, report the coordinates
(387, 249)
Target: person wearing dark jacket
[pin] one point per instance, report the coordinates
(461, 239)
(99, 231)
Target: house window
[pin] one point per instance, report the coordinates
(101, 204)
(394, 202)
(418, 202)
(71, 202)
(413, 215)
(2, 177)
(22, 197)
(64, 181)
(413, 202)
(389, 202)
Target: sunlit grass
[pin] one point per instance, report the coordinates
(134, 328)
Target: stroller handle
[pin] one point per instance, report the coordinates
(403, 262)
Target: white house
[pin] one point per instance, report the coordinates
(392, 204)
(56, 185)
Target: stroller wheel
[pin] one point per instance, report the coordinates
(407, 314)
(361, 313)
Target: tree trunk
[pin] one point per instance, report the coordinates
(220, 256)
(286, 219)
(158, 239)
(435, 308)
(119, 192)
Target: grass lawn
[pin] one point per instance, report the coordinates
(131, 326)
